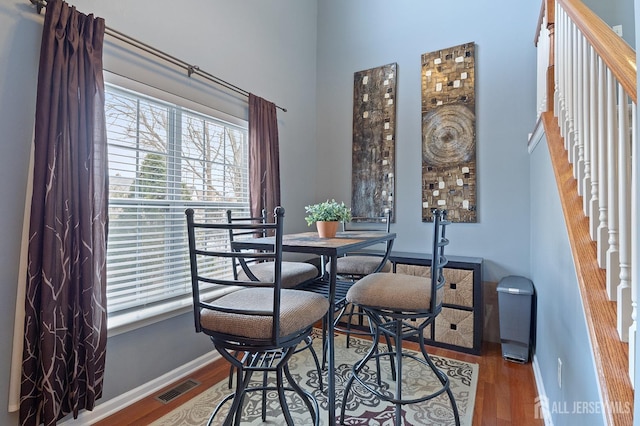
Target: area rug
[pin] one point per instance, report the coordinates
(362, 407)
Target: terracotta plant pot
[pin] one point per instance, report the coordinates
(327, 229)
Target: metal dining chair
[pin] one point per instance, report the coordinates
(401, 307)
(294, 274)
(356, 265)
(350, 267)
(258, 318)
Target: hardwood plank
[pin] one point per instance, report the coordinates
(150, 409)
(478, 410)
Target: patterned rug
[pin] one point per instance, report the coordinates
(362, 408)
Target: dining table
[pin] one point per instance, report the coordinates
(329, 249)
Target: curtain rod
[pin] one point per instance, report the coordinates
(191, 69)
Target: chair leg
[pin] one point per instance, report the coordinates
(324, 341)
(283, 400)
(264, 396)
(218, 407)
(235, 410)
(349, 319)
(398, 333)
(230, 383)
(243, 390)
(317, 362)
(373, 326)
(392, 361)
(309, 401)
(354, 373)
(232, 367)
(336, 320)
(393, 328)
(378, 369)
(243, 378)
(444, 380)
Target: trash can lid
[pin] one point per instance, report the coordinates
(515, 285)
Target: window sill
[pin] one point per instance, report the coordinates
(124, 323)
(141, 318)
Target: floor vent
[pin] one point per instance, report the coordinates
(177, 390)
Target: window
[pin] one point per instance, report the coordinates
(163, 158)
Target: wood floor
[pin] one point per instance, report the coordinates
(506, 391)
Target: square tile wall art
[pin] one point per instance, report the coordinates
(449, 133)
(374, 131)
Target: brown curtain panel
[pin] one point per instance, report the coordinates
(264, 156)
(65, 307)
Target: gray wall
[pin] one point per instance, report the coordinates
(19, 40)
(616, 12)
(561, 325)
(303, 56)
(268, 48)
(360, 34)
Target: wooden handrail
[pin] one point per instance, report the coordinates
(618, 55)
(539, 24)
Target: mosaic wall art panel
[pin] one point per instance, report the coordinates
(374, 130)
(449, 133)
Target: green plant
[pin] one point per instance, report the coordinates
(327, 211)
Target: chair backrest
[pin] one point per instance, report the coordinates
(240, 234)
(378, 224)
(212, 253)
(438, 260)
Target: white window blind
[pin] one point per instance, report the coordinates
(164, 158)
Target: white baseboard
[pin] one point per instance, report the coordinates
(112, 406)
(542, 394)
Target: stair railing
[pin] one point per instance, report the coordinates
(587, 78)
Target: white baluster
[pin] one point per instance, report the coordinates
(602, 232)
(571, 92)
(559, 52)
(634, 245)
(592, 207)
(578, 165)
(539, 67)
(587, 100)
(613, 258)
(566, 50)
(624, 213)
(575, 101)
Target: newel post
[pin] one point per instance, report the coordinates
(550, 7)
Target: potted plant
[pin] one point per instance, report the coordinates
(327, 215)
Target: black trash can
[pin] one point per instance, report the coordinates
(515, 307)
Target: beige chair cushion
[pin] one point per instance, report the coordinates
(298, 310)
(293, 273)
(359, 265)
(397, 292)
